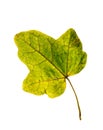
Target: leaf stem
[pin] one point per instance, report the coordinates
(75, 97)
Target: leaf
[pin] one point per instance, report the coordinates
(50, 61)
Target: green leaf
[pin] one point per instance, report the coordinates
(50, 61)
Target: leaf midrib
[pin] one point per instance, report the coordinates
(47, 60)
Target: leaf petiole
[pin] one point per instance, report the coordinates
(75, 97)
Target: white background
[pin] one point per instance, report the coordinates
(23, 111)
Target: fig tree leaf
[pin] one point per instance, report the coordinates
(50, 61)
